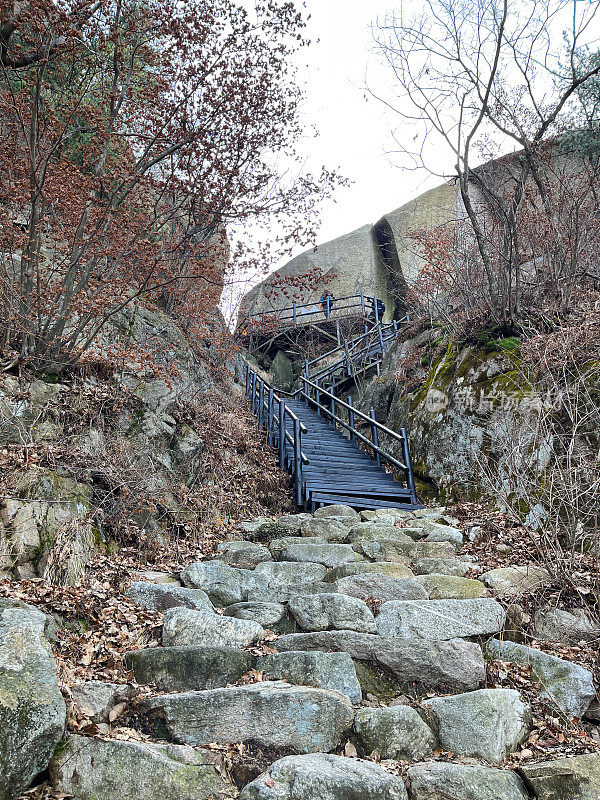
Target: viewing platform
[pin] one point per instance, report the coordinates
(323, 316)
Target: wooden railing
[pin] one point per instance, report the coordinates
(356, 305)
(272, 413)
(356, 352)
(316, 397)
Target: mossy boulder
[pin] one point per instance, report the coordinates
(48, 526)
(397, 732)
(93, 769)
(451, 587)
(32, 710)
(175, 669)
(469, 408)
(575, 778)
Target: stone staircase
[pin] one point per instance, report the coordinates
(354, 676)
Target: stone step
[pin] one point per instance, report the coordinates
(270, 714)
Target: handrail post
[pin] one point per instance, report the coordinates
(281, 442)
(348, 366)
(332, 404)
(306, 367)
(253, 399)
(247, 380)
(270, 416)
(337, 330)
(410, 481)
(297, 463)
(395, 326)
(351, 420)
(318, 397)
(362, 302)
(294, 306)
(375, 436)
(261, 405)
(381, 340)
(376, 309)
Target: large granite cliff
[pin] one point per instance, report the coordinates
(380, 259)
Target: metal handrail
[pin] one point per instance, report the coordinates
(361, 437)
(307, 310)
(361, 300)
(384, 334)
(378, 425)
(352, 343)
(264, 401)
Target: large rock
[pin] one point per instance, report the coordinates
(381, 588)
(514, 581)
(243, 554)
(385, 549)
(277, 546)
(443, 566)
(96, 699)
(568, 685)
(32, 710)
(568, 627)
(266, 614)
(177, 669)
(160, 597)
(285, 575)
(451, 587)
(94, 769)
(321, 612)
(397, 732)
(345, 514)
(324, 777)
(223, 583)
(575, 778)
(388, 515)
(271, 714)
(330, 555)
(290, 524)
(227, 585)
(185, 627)
(435, 532)
(334, 671)
(489, 723)
(393, 569)
(440, 619)
(377, 531)
(433, 550)
(330, 529)
(449, 665)
(283, 593)
(440, 781)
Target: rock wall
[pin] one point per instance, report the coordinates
(140, 446)
(464, 419)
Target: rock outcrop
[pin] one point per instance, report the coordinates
(32, 710)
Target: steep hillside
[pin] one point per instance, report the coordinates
(144, 455)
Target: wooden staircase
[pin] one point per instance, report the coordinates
(327, 466)
(338, 471)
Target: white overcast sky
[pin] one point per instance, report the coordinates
(354, 129)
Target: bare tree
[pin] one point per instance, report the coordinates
(478, 77)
